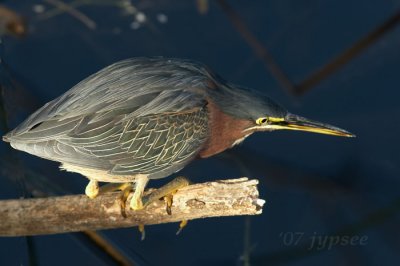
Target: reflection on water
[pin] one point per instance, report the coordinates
(321, 192)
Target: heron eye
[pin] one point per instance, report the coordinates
(262, 121)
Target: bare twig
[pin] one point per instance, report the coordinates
(259, 49)
(105, 246)
(77, 213)
(348, 54)
(74, 13)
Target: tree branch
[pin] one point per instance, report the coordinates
(78, 213)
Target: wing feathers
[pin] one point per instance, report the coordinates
(136, 116)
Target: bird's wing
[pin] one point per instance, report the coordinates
(139, 86)
(122, 121)
(155, 145)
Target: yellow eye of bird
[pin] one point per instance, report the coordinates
(262, 120)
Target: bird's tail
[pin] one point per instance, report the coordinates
(6, 138)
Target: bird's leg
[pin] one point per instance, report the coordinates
(92, 189)
(166, 192)
(136, 201)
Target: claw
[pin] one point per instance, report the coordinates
(168, 203)
(124, 197)
(181, 226)
(142, 231)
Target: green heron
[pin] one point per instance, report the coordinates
(147, 118)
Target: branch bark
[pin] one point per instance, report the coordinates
(78, 213)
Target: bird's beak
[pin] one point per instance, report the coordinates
(295, 122)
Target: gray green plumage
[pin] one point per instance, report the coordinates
(138, 116)
(146, 118)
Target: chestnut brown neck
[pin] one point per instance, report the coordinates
(225, 130)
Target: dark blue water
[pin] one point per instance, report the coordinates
(317, 188)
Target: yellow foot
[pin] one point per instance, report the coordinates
(126, 190)
(167, 191)
(92, 189)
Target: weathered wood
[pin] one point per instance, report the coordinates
(78, 213)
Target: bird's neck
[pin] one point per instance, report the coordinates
(225, 131)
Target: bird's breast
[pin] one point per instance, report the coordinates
(224, 131)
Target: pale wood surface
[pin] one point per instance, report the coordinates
(78, 213)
